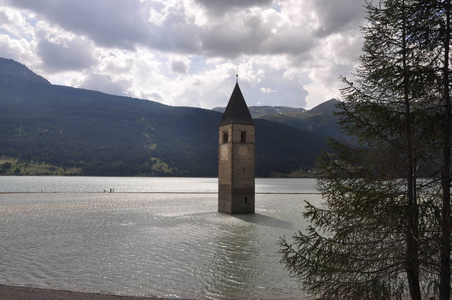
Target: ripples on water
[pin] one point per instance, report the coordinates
(167, 245)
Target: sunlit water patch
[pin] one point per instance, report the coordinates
(166, 245)
(55, 184)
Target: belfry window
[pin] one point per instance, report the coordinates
(243, 137)
(225, 137)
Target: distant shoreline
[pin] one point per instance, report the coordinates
(119, 176)
(190, 193)
(30, 293)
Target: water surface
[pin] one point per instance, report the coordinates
(147, 244)
(144, 184)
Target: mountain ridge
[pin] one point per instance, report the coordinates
(259, 111)
(102, 134)
(320, 119)
(12, 68)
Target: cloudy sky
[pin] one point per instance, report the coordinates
(186, 52)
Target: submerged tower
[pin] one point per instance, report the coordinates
(236, 157)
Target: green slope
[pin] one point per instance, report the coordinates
(320, 119)
(102, 134)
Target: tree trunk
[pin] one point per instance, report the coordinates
(444, 288)
(412, 228)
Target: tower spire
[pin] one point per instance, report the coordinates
(236, 191)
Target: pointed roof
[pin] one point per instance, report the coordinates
(237, 111)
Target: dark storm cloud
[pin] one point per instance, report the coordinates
(222, 6)
(298, 48)
(253, 37)
(115, 23)
(291, 41)
(178, 66)
(251, 34)
(118, 23)
(72, 55)
(175, 34)
(337, 16)
(124, 24)
(230, 42)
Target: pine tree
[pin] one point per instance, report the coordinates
(379, 234)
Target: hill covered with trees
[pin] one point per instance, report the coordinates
(93, 133)
(321, 119)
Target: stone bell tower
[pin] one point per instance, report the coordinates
(236, 157)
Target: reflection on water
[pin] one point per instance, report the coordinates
(167, 245)
(264, 220)
(235, 260)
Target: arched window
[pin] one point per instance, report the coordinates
(225, 137)
(243, 137)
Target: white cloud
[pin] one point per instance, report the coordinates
(185, 52)
(13, 48)
(266, 90)
(336, 55)
(104, 83)
(15, 23)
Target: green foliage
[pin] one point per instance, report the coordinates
(14, 166)
(355, 245)
(382, 231)
(283, 149)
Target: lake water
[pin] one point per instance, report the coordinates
(150, 237)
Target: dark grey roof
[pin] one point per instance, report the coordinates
(237, 111)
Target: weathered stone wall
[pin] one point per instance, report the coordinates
(224, 169)
(236, 169)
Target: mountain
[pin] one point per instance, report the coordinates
(12, 68)
(101, 134)
(320, 119)
(260, 111)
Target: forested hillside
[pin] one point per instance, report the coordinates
(100, 134)
(320, 119)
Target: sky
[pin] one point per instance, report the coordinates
(188, 52)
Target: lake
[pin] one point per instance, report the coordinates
(150, 237)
